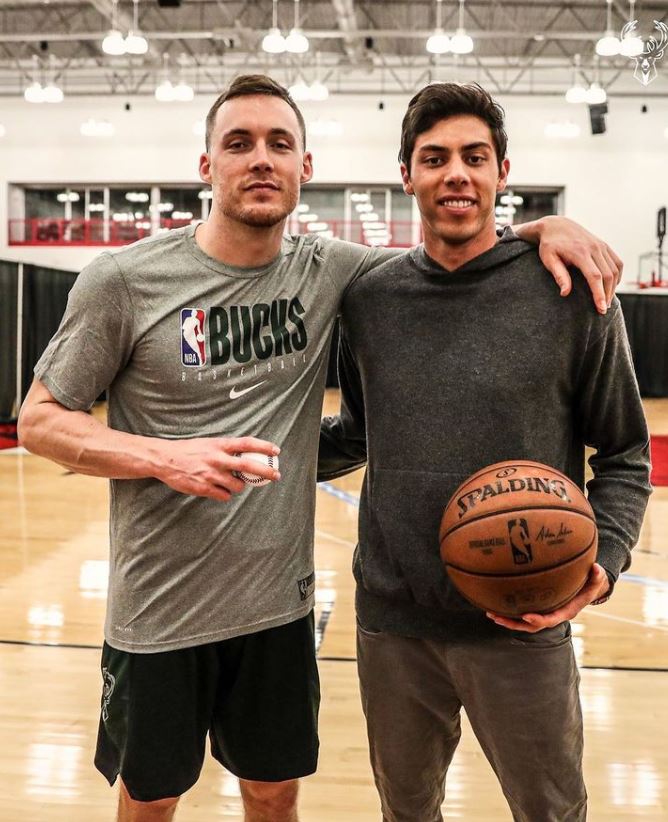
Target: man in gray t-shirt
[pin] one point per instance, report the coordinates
(212, 342)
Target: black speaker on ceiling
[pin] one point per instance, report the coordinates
(169, 3)
(597, 114)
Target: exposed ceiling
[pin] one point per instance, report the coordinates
(357, 46)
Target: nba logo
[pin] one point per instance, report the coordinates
(193, 346)
(520, 542)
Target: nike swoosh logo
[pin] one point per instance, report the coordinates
(234, 394)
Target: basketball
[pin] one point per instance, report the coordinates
(518, 537)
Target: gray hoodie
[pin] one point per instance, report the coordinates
(444, 372)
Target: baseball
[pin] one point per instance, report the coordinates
(253, 479)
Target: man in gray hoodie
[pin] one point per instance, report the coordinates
(450, 362)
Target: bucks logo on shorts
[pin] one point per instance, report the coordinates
(108, 683)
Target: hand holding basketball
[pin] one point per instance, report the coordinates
(518, 537)
(597, 586)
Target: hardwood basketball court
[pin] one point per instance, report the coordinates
(53, 554)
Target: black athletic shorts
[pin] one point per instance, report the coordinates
(256, 696)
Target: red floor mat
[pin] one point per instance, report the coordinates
(8, 434)
(659, 451)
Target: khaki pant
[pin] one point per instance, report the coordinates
(520, 692)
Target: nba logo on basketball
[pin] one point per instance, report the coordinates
(193, 346)
(518, 532)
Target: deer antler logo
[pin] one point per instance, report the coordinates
(654, 49)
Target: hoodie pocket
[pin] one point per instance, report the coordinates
(398, 555)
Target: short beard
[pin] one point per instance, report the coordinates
(257, 217)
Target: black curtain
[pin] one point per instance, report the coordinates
(8, 293)
(646, 318)
(332, 369)
(45, 293)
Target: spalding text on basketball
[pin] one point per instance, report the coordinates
(553, 487)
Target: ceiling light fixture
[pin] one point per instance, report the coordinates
(34, 93)
(296, 42)
(609, 44)
(135, 42)
(97, 128)
(183, 92)
(317, 91)
(461, 43)
(632, 45)
(68, 196)
(114, 42)
(300, 91)
(596, 94)
(577, 93)
(51, 92)
(439, 42)
(273, 42)
(164, 92)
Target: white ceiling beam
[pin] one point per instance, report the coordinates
(346, 19)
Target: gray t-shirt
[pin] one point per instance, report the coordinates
(189, 347)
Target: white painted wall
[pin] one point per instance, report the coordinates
(614, 183)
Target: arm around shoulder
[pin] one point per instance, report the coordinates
(563, 243)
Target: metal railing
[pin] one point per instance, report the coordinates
(59, 232)
(46, 231)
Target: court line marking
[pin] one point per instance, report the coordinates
(631, 668)
(332, 538)
(27, 643)
(640, 580)
(650, 553)
(351, 499)
(639, 623)
(326, 612)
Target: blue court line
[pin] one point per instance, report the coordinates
(638, 580)
(351, 499)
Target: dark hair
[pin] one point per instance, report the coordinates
(441, 100)
(246, 85)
